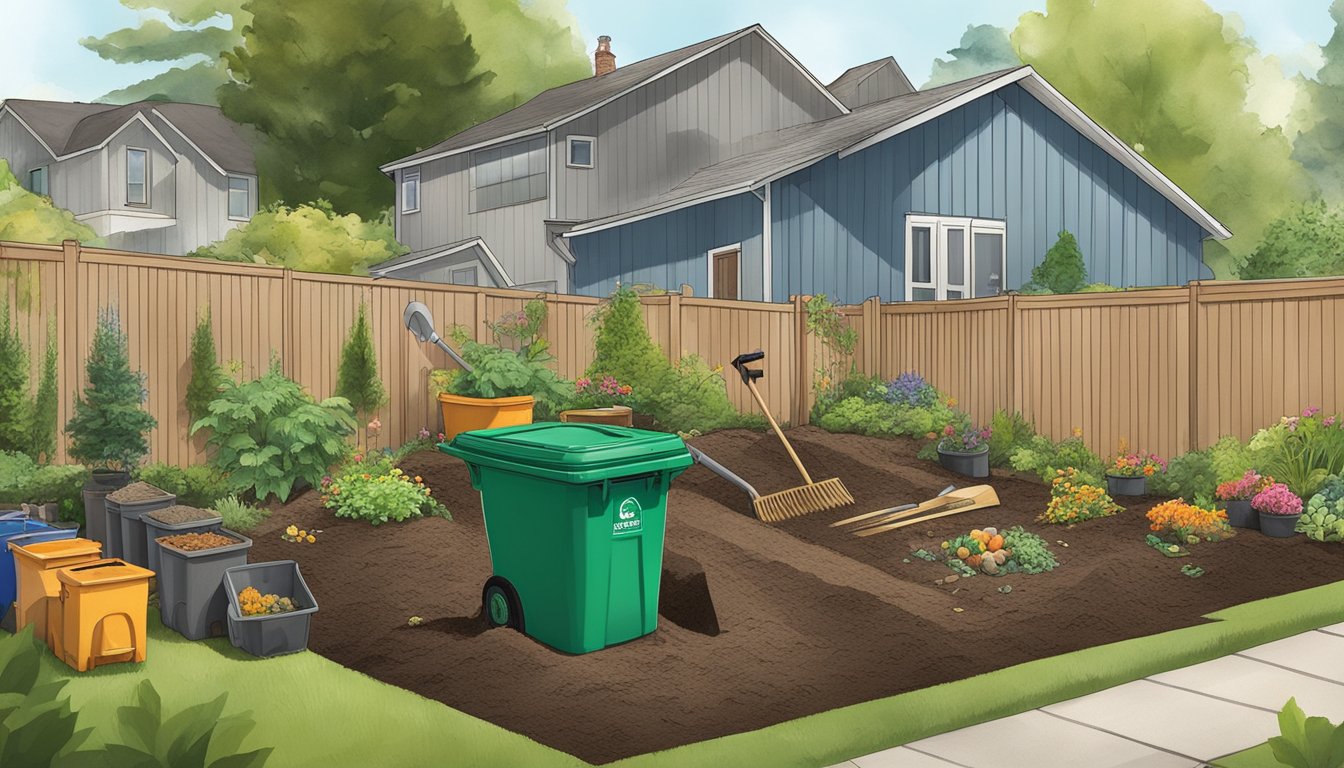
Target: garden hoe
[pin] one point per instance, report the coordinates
(794, 502)
(954, 503)
(884, 515)
(420, 323)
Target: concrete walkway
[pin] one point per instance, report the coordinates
(1180, 719)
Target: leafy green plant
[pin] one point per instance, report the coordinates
(1307, 742)
(1323, 518)
(1062, 270)
(522, 330)
(15, 469)
(206, 374)
(1010, 431)
(46, 403)
(37, 725)
(268, 434)
(357, 373)
(26, 217)
(1187, 476)
(1301, 451)
(15, 407)
(500, 372)
(1030, 552)
(1230, 458)
(827, 323)
(622, 346)
(239, 516)
(309, 238)
(109, 425)
(1044, 458)
(1191, 570)
(378, 492)
(198, 486)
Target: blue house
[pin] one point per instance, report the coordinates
(728, 167)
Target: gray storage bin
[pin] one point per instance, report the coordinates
(155, 528)
(191, 586)
(271, 634)
(125, 530)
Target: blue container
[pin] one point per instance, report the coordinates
(13, 525)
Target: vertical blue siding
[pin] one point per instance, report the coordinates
(1004, 156)
(673, 249)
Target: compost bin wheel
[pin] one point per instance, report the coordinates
(500, 605)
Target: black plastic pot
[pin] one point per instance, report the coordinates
(1126, 486)
(191, 586)
(970, 464)
(1279, 526)
(1240, 514)
(100, 483)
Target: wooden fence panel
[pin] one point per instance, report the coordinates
(719, 331)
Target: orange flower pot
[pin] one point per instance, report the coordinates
(464, 414)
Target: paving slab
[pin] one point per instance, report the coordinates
(1334, 629)
(900, 757)
(1042, 741)
(1190, 724)
(1253, 682)
(1316, 653)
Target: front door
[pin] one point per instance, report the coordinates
(724, 266)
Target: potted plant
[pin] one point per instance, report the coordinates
(1279, 509)
(1237, 494)
(1128, 474)
(605, 401)
(965, 451)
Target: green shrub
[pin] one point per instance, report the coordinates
(1301, 451)
(622, 347)
(1030, 552)
(268, 433)
(1188, 476)
(47, 403)
(29, 218)
(378, 492)
(1308, 241)
(239, 516)
(109, 425)
(197, 486)
(1043, 457)
(15, 469)
(37, 725)
(357, 371)
(1099, 288)
(1307, 742)
(22, 480)
(1323, 517)
(1009, 431)
(206, 375)
(15, 407)
(1062, 270)
(309, 238)
(1230, 459)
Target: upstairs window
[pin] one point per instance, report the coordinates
(953, 258)
(508, 175)
(137, 176)
(37, 182)
(410, 191)
(581, 150)
(240, 198)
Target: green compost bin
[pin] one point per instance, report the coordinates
(574, 515)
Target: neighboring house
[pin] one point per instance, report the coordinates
(727, 166)
(157, 177)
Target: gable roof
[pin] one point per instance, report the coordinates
(846, 86)
(66, 129)
(792, 149)
(564, 103)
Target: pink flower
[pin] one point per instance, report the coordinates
(1277, 500)
(424, 433)
(375, 425)
(1307, 413)
(1329, 421)
(948, 430)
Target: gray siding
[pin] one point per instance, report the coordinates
(79, 184)
(653, 139)
(23, 152)
(163, 192)
(673, 249)
(883, 84)
(838, 227)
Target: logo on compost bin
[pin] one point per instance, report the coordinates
(627, 517)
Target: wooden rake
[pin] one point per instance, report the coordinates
(954, 503)
(793, 502)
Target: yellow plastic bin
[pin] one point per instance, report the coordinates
(103, 609)
(464, 414)
(35, 566)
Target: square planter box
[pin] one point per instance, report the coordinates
(191, 586)
(271, 634)
(126, 532)
(155, 528)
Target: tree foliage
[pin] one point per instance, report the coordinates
(983, 48)
(29, 218)
(1308, 241)
(206, 373)
(1176, 91)
(109, 425)
(310, 238)
(357, 371)
(46, 403)
(15, 407)
(195, 40)
(526, 47)
(1062, 270)
(1320, 148)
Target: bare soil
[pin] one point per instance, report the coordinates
(137, 491)
(761, 623)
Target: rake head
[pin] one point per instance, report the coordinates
(803, 500)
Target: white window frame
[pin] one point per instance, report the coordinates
(147, 182)
(569, 151)
(247, 207)
(46, 180)
(939, 227)
(410, 177)
(709, 266)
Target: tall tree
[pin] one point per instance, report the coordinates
(1320, 148)
(204, 28)
(1169, 78)
(46, 403)
(16, 410)
(984, 48)
(526, 46)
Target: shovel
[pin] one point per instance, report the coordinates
(954, 503)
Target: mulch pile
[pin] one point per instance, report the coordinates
(762, 623)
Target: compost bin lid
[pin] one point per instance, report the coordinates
(573, 452)
(109, 571)
(52, 550)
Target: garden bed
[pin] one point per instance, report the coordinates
(809, 618)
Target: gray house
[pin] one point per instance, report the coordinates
(729, 167)
(157, 177)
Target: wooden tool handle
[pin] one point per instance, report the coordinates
(761, 402)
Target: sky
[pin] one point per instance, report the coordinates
(46, 61)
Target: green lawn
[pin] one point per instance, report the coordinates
(317, 713)
(1255, 757)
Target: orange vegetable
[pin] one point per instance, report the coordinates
(974, 560)
(963, 553)
(995, 544)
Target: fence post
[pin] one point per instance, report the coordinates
(1010, 362)
(871, 340)
(674, 326)
(1192, 401)
(287, 344)
(802, 392)
(69, 319)
(481, 334)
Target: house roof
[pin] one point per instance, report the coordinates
(846, 86)
(791, 149)
(492, 264)
(566, 102)
(67, 128)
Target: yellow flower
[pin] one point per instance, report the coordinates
(292, 530)
(418, 479)
(1077, 431)
(302, 534)
(312, 539)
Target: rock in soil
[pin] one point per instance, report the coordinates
(683, 597)
(137, 491)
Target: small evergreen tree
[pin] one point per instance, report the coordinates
(15, 407)
(205, 371)
(47, 403)
(1062, 270)
(110, 424)
(622, 347)
(357, 372)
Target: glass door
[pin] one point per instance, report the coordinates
(954, 262)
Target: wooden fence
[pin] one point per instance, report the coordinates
(1165, 369)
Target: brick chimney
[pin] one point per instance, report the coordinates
(604, 61)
